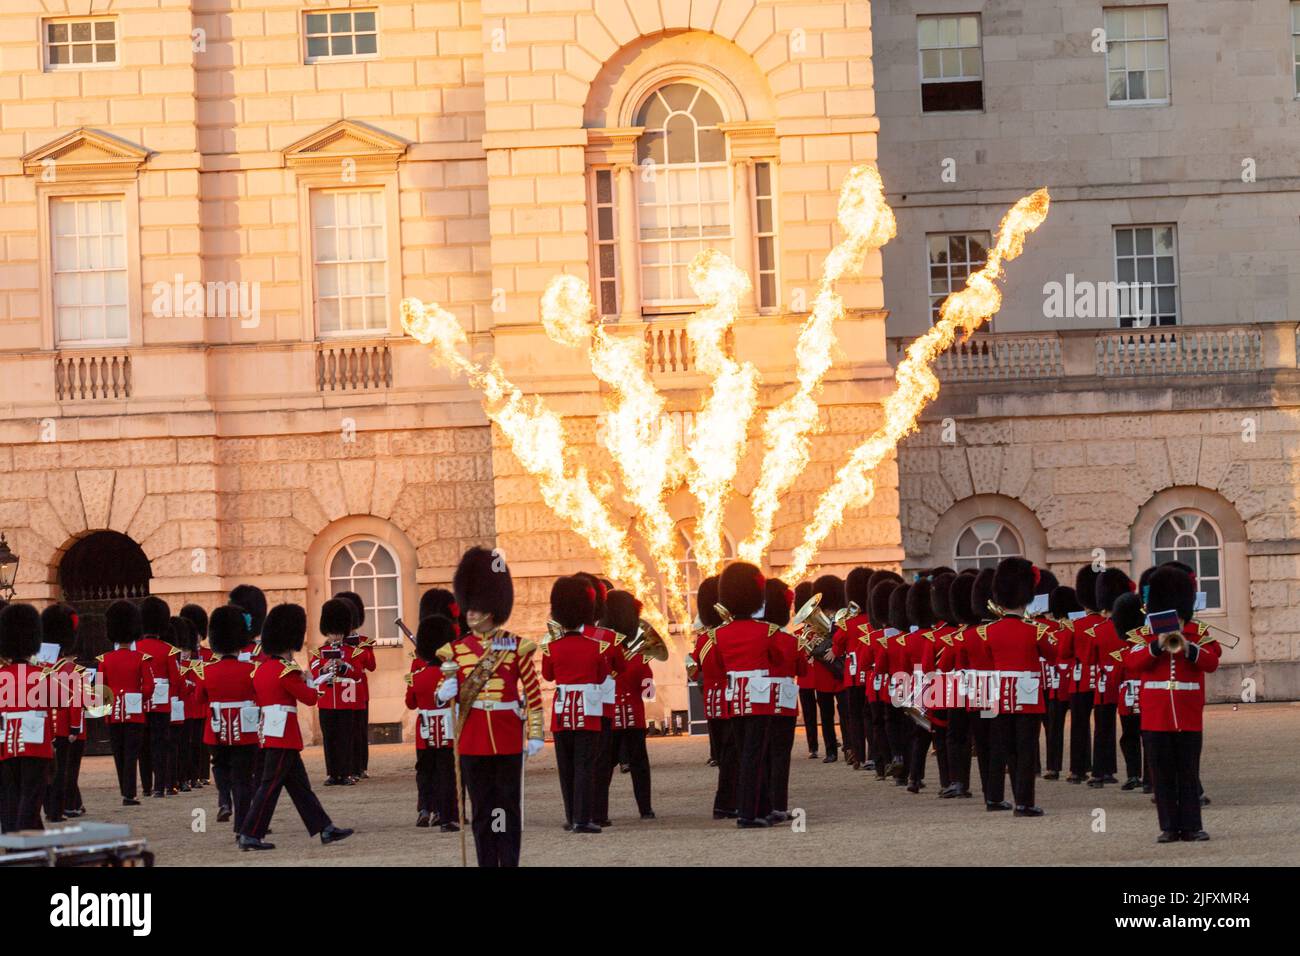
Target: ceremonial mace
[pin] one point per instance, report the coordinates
(451, 669)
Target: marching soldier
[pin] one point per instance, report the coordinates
(59, 627)
(1173, 666)
(226, 683)
(949, 719)
(808, 679)
(633, 687)
(977, 660)
(1127, 617)
(606, 749)
(198, 619)
(500, 704)
(896, 667)
(920, 659)
(126, 672)
(852, 650)
(1061, 602)
(960, 716)
(182, 637)
(157, 768)
(878, 688)
(1108, 649)
(365, 656)
(336, 667)
(785, 690)
(828, 670)
(712, 690)
(1083, 690)
(26, 748)
(435, 774)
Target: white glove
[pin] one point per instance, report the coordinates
(449, 689)
(535, 745)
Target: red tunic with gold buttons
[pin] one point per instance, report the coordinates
(365, 662)
(713, 682)
(434, 720)
(1015, 645)
(892, 665)
(1084, 664)
(232, 700)
(1108, 650)
(632, 686)
(344, 692)
(1173, 685)
(847, 644)
(578, 664)
(281, 687)
(946, 650)
(25, 708)
(125, 670)
(616, 660)
(510, 702)
(867, 638)
(65, 703)
(786, 673)
(163, 665)
(743, 658)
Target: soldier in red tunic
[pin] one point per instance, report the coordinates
(878, 674)
(967, 737)
(157, 768)
(828, 669)
(126, 673)
(785, 691)
(893, 662)
(435, 774)
(59, 627)
(226, 684)
(1127, 617)
(920, 644)
(1082, 687)
(633, 687)
(949, 720)
(1107, 649)
(1061, 602)
(360, 762)
(1173, 669)
(499, 701)
(851, 649)
(182, 637)
(808, 678)
(27, 745)
(606, 748)
(336, 667)
(197, 708)
(712, 689)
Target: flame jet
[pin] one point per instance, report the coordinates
(536, 436)
(721, 428)
(916, 384)
(635, 430)
(868, 223)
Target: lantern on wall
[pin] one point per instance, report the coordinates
(8, 569)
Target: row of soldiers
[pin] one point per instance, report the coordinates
(971, 664)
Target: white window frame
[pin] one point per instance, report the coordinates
(967, 234)
(685, 564)
(1295, 45)
(1197, 548)
(960, 561)
(1156, 284)
(311, 60)
(125, 271)
(594, 205)
(50, 67)
(773, 199)
(336, 585)
(962, 77)
(1145, 38)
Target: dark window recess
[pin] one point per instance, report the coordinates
(948, 97)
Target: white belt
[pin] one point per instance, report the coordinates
(498, 705)
(577, 688)
(1018, 674)
(21, 714)
(744, 675)
(1170, 685)
(435, 712)
(235, 704)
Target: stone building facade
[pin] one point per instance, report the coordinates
(1166, 135)
(210, 210)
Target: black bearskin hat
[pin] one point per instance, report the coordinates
(959, 599)
(181, 635)
(1085, 587)
(573, 602)
(919, 610)
(941, 569)
(20, 632)
(482, 583)
(831, 588)
(741, 589)
(154, 615)
(198, 619)
(622, 613)
(250, 599)
(878, 605)
(227, 633)
(1013, 583)
(336, 616)
(1171, 589)
(285, 629)
(1111, 583)
(358, 607)
(1062, 602)
(898, 607)
(439, 601)
(434, 631)
(122, 622)
(857, 587)
(1126, 614)
(940, 585)
(705, 598)
(981, 593)
(1047, 582)
(59, 626)
(599, 591)
(777, 598)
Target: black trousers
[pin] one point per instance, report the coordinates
(575, 756)
(1130, 744)
(1080, 734)
(76, 751)
(900, 737)
(494, 785)
(1175, 764)
(750, 744)
(715, 745)
(855, 737)
(361, 740)
(192, 769)
(235, 761)
(880, 731)
(1014, 742)
(156, 765)
(602, 770)
(959, 719)
(337, 728)
(981, 734)
(1055, 729)
(125, 741)
(629, 744)
(23, 781)
(56, 793)
(724, 797)
(918, 751)
(282, 769)
(808, 707)
(867, 725)
(826, 705)
(1104, 760)
(941, 746)
(780, 743)
(435, 783)
(846, 719)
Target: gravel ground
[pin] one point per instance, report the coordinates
(1249, 765)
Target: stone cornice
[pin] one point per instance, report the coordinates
(86, 155)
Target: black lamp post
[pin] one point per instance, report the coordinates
(8, 569)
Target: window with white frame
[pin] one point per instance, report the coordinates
(683, 189)
(88, 258)
(332, 34)
(765, 233)
(350, 260)
(604, 228)
(368, 568)
(953, 256)
(1190, 537)
(1295, 43)
(1146, 269)
(984, 542)
(80, 43)
(690, 570)
(1137, 55)
(952, 68)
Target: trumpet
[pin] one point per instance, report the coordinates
(1172, 642)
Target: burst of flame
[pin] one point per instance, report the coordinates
(868, 223)
(634, 429)
(962, 312)
(536, 436)
(721, 427)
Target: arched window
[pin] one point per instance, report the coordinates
(369, 568)
(690, 570)
(984, 543)
(1191, 538)
(683, 189)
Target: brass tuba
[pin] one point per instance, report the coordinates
(647, 641)
(812, 618)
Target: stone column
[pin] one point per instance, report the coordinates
(629, 262)
(742, 229)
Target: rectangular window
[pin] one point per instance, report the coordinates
(350, 250)
(683, 210)
(953, 257)
(606, 244)
(952, 69)
(340, 34)
(765, 231)
(1137, 55)
(89, 262)
(72, 44)
(1146, 268)
(1295, 43)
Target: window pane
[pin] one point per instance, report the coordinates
(58, 33)
(340, 22)
(316, 23)
(364, 20)
(679, 96)
(927, 32)
(930, 65)
(81, 54)
(104, 29)
(340, 46)
(80, 31)
(318, 46)
(968, 31)
(366, 43)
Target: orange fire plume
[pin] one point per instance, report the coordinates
(722, 425)
(634, 429)
(536, 436)
(962, 312)
(868, 223)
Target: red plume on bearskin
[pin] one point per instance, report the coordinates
(740, 589)
(1111, 584)
(482, 583)
(59, 626)
(1172, 589)
(1013, 583)
(439, 601)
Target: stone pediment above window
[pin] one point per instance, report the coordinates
(368, 147)
(86, 155)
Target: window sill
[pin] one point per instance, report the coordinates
(80, 67)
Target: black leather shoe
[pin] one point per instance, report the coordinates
(1074, 778)
(812, 755)
(648, 815)
(1167, 836)
(1052, 775)
(331, 781)
(1029, 812)
(253, 843)
(585, 828)
(1146, 788)
(130, 802)
(1110, 778)
(1198, 836)
(1001, 805)
(758, 824)
(223, 814)
(710, 762)
(422, 820)
(869, 765)
(722, 815)
(603, 823)
(963, 794)
(1096, 783)
(1205, 801)
(830, 758)
(1132, 783)
(332, 834)
(449, 828)
(777, 816)
(948, 792)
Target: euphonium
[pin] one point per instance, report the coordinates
(648, 641)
